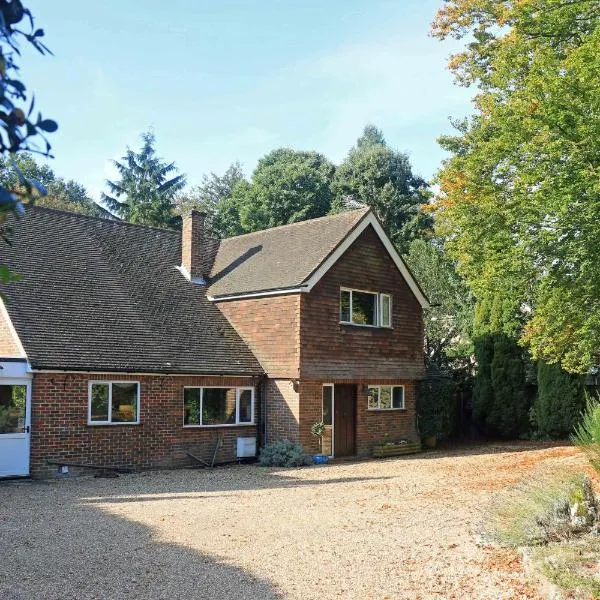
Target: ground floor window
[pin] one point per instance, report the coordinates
(212, 406)
(327, 404)
(12, 408)
(385, 397)
(113, 402)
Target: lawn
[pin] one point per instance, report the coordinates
(397, 528)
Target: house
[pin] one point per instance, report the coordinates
(131, 346)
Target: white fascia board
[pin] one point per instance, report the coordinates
(280, 292)
(118, 374)
(369, 219)
(12, 330)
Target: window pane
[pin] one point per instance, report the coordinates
(327, 404)
(218, 406)
(345, 306)
(99, 402)
(385, 397)
(398, 397)
(363, 308)
(191, 406)
(12, 408)
(124, 402)
(373, 397)
(385, 311)
(245, 406)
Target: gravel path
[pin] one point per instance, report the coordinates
(396, 528)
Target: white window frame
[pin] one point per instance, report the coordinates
(378, 308)
(403, 407)
(109, 382)
(238, 391)
(332, 426)
(380, 311)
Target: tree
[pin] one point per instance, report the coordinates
(61, 194)
(19, 128)
(145, 194)
(213, 196)
(560, 401)
(286, 186)
(449, 320)
(375, 175)
(519, 197)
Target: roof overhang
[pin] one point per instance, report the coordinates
(307, 285)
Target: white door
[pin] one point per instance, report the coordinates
(15, 423)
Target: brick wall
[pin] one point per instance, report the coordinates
(270, 326)
(60, 431)
(329, 350)
(8, 345)
(372, 426)
(283, 411)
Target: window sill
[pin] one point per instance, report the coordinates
(105, 423)
(216, 426)
(347, 324)
(384, 409)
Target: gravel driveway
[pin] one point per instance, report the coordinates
(395, 528)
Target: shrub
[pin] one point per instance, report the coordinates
(559, 402)
(587, 432)
(547, 509)
(283, 454)
(436, 408)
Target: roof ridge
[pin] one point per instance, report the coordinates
(364, 210)
(103, 219)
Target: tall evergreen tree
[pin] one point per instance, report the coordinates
(375, 175)
(146, 193)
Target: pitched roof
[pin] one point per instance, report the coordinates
(279, 258)
(105, 295)
(294, 257)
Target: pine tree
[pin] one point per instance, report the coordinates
(145, 194)
(560, 401)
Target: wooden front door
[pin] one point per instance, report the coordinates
(344, 420)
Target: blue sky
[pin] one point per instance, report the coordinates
(227, 80)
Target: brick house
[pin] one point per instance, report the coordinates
(132, 346)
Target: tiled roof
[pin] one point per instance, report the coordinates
(106, 295)
(279, 258)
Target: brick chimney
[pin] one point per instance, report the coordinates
(194, 246)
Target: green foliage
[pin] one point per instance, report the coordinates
(283, 454)
(214, 197)
(146, 193)
(286, 186)
(500, 401)
(436, 407)
(449, 320)
(587, 432)
(375, 175)
(545, 508)
(519, 196)
(560, 401)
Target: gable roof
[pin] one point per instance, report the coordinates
(293, 258)
(104, 295)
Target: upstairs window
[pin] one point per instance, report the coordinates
(370, 309)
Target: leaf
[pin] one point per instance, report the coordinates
(48, 125)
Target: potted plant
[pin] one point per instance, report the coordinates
(318, 430)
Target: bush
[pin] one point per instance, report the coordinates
(559, 402)
(547, 509)
(283, 454)
(500, 400)
(436, 408)
(587, 433)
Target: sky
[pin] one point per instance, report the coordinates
(229, 80)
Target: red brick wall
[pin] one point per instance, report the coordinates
(271, 328)
(8, 344)
(283, 411)
(60, 431)
(329, 350)
(372, 426)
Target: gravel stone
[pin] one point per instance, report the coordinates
(397, 528)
